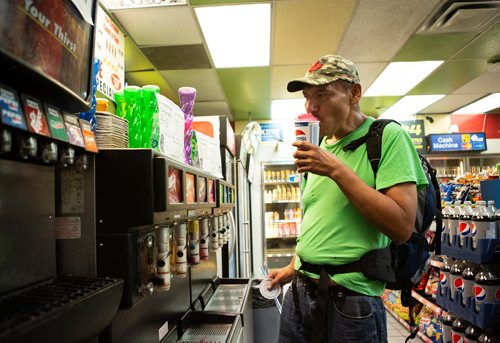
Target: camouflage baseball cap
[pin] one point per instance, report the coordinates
(327, 69)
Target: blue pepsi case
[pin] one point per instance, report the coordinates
(447, 320)
(458, 330)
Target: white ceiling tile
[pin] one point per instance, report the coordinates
(306, 30)
(488, 82)
(451, 103)
(368, 72)
(212, 108)
(204, 80)
(379, 28)
(281, 75)
(160, 25)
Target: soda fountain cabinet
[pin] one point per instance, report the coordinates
(48, 284)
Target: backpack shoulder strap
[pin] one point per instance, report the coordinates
(373, 140)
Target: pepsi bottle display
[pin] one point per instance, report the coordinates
(456, 281)
(444, 275)
(489, 336)
(453, 221)
(468, 276)
(486, 288)
(464, 223)
(472, 333)
(483, 224)
(458, 330)
(446, 217)
(447, 320)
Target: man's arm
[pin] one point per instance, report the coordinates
(392, 211)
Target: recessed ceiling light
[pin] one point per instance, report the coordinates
(287, 109)
(237, 36)
(410, 105)
(399, 77)
(483, 105)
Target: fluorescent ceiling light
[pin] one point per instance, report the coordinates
(481, 106)
(287, 109)
(399, 77)
(237, 36)
(410, 105)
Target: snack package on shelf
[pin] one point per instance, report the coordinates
(432, 283)
(430, 326)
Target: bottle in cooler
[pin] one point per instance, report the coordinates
(464, 223)
(472, 333)
(456, 281)
(444, 275)
(491, 207)
(446, 217)
(458, 330)
(483, 225)
(468, 276)
(486, 288)
(447, 320)
(453, 221)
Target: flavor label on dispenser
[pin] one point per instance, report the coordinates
(56, 123)
(10, 109)
(35, 116)
(88, 136)
(68, 228)
(73, 129)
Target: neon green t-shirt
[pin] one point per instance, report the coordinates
(333, 231)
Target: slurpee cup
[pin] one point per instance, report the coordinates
(307, 131)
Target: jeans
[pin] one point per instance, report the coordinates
(356, 319)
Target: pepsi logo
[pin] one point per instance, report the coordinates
(459, 284)
(443, 280)
(474, 230)
(464, 229)
(479, 293)
(456, 338)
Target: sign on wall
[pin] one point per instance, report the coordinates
(415, 129)
(457, 142)
(271, 132)
(110, 50)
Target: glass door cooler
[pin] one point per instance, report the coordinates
(282, 212)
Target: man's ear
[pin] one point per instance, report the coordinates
(356, 93)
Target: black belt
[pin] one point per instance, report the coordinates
(336, 291)
(322, 291)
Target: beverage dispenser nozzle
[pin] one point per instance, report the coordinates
(204, 237)
(180, 246)
(163, 240)
(222, 230)
(214, 233)
(194, 241)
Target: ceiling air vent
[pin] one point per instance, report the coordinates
(462, 16)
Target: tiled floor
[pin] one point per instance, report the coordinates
(396, 332)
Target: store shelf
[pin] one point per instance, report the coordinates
(272, 183)
(288, 237)
(406, 325)
(427, 303)
(282, 202)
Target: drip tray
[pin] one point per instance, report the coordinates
(63, 309)
(227, 298)
(210, 327)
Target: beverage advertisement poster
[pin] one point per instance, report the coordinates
(415, 129)
(271, 132)
(110, 50)
(10, 108)
(51, 37)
